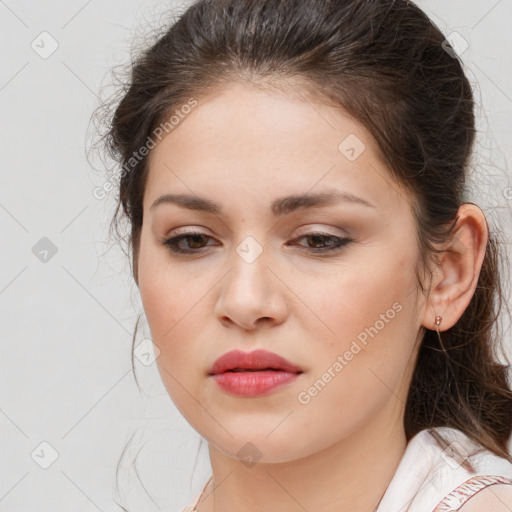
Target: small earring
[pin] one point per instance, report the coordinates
(438, 320)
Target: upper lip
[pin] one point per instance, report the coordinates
(255, 360)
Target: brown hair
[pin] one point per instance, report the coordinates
(389, 66)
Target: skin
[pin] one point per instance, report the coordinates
(497, 498)
(243, 147)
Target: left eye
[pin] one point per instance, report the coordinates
(195, 242)
(336, 241)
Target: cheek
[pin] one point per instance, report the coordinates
(157, 301)
(164, 308)
(169, 316)
(370, 319)
(354, 297)
(365, 369)
(158, 288)
(173, 305)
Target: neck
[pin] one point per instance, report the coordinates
(351, 475)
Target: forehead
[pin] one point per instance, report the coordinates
(244, 140)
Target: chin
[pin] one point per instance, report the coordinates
(252, 445)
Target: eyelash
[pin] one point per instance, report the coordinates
(172, 243)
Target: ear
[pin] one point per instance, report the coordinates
(456, 275)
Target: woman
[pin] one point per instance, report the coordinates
(322, 296)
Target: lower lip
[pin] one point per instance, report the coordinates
(255, 383)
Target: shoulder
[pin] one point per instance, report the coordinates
(497, 498)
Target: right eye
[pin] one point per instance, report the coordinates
(194, 242)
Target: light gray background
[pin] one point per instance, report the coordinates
(66, 324)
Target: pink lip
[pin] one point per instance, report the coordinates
(257, 373)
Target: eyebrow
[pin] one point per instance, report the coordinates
(282, 206)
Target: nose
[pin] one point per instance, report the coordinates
(252, 294)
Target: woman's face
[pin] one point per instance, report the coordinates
(331, 288)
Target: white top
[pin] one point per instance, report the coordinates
(430, 479)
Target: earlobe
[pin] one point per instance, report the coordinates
(458, 269)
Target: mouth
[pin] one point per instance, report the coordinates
(257, 370)
(253, 374)
(255, 361)
(253, 383)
